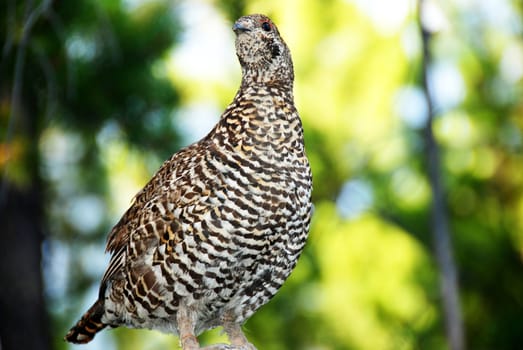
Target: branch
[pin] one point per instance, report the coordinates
(440, 226)
(18, 78)
(10, 30)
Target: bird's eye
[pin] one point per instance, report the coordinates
(266, 26)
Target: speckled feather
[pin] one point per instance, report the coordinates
(218, 229)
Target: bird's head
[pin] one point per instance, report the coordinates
(263, 54)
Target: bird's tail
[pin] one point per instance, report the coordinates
(90, 324)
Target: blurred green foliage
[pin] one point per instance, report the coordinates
(103, 85)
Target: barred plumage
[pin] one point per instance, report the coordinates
(218, 229)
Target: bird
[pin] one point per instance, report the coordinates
(220, 226)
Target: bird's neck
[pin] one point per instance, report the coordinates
(265, 103)
(261, 120)
(278, 75)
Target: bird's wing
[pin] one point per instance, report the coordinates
(119, 235)
(141, 213)
(151, 213)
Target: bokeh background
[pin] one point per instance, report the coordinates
(94, 95)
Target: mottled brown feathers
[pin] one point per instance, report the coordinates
(220, 226)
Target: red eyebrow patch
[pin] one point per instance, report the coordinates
(266, 25)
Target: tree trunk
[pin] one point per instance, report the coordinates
(23, 319)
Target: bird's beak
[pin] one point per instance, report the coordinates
(240, 27)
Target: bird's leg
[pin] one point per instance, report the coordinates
(236, 336)
(186, 322)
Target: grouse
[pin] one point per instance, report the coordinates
(219, 228)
